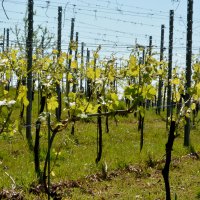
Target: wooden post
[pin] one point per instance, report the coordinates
(160, 83)
(4, 36)
(76, 51)
(188, 68)
(81, 69)
(7, 39)
(70, 54)
(75, 70)
(115, 80)
(150, 52)
(29, 49)
(58, 90)
(150, 45)
(49, 156)
(169, 88)
(88, 81)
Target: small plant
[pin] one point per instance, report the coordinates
(193, 152)
(104, 170)
(150, 162)
(198, 195)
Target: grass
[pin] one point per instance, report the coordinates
(137, 175)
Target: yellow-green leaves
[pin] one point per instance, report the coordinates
(22, 95)
(193, 106)
(5, 92)
(25, 102)
(90, 73)
(53, 173)
(97, 73)
(176, 97)
(96, 55)
(72, 96)
(150, 92)
(196, 67)
(175, 81)
(132, 61)
(198, 89)
(93, 74)
(112, 101)
(111, 73)
(52, 103)
(14, 54)
(73, 45)
(61, 60)
(55, 51)
(133, 68)
(114, 96)
(74, 64)
(70, 77)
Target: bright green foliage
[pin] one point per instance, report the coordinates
(74, 64)
(137, 82)
(22, 95)
(52, 103)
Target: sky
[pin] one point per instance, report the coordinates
(115, 24)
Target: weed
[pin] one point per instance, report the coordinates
(150, 162)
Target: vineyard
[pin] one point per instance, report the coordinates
(76, 124)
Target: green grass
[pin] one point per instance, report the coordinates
(120, 150)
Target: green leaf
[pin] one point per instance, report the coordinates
(151, 92)
(90, 73)
(198, 89)
(53, 173)
(72, 96)
(5, 92)
(132, 61)
(96, 55)
(25, 101)
(22, 92)
(52, 103)
(196, 67)
(177, 97)
(74, 64)
(175, 81)
(114, 96)
(193, 106)
(98, 73)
